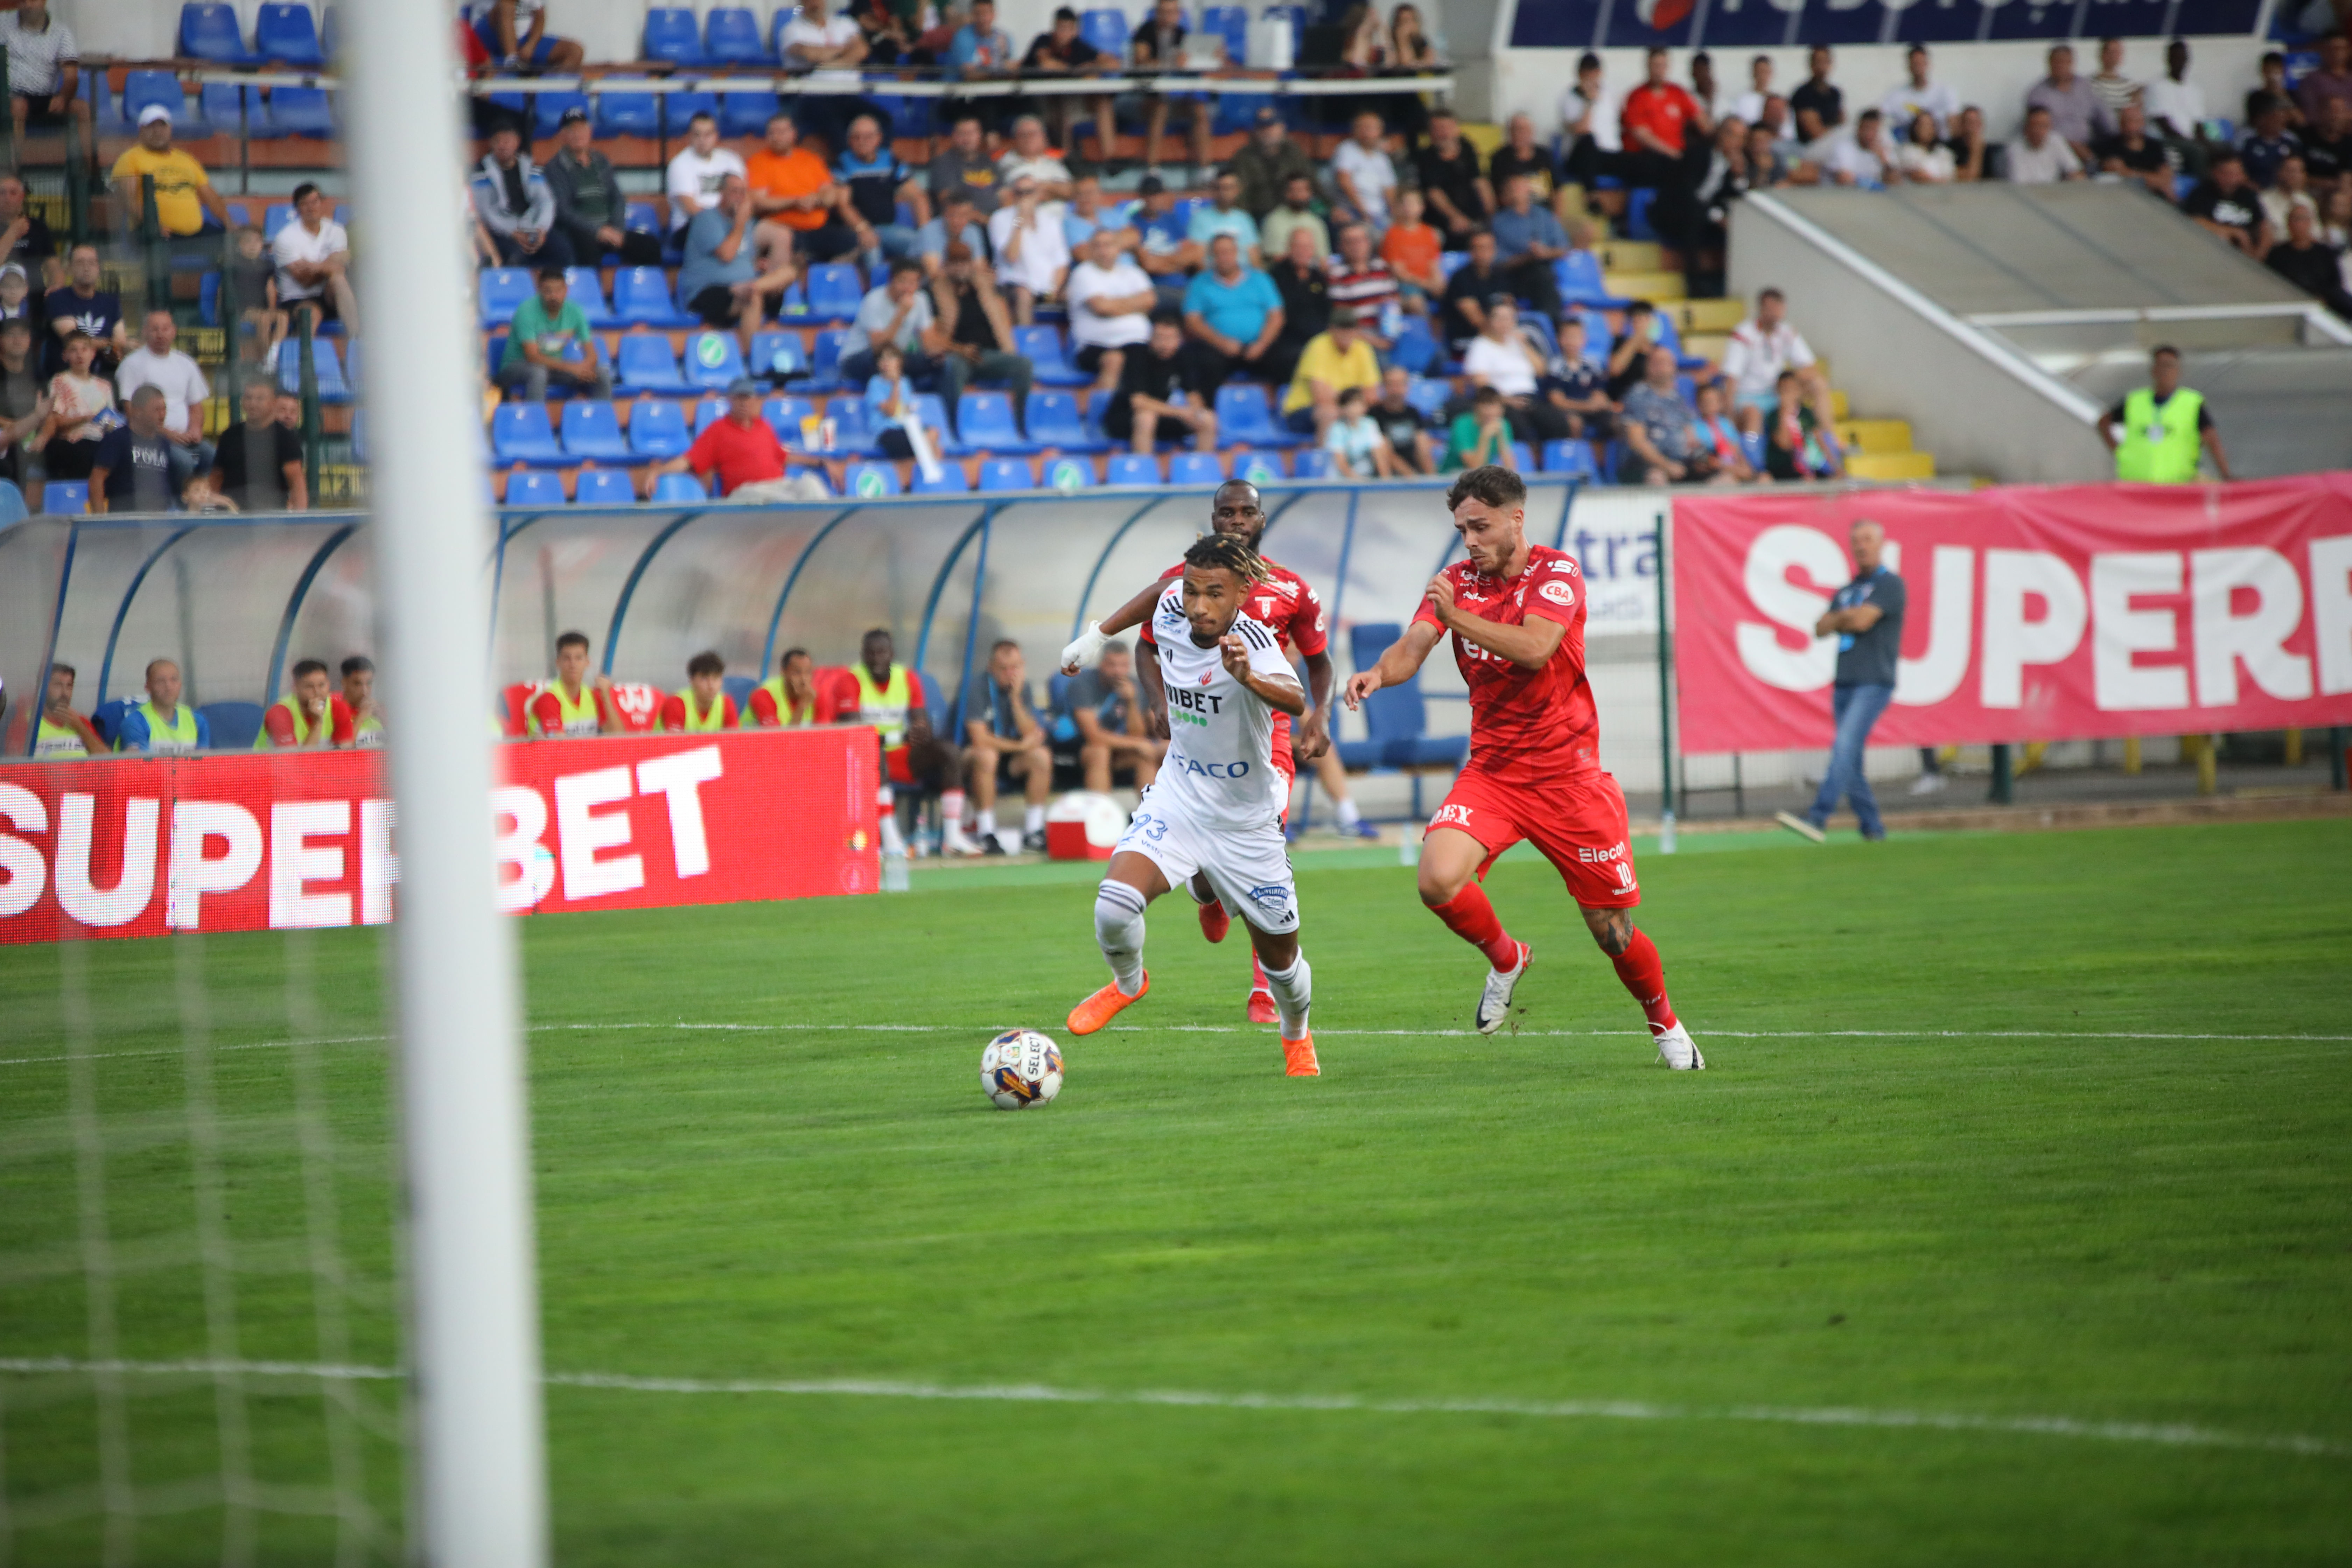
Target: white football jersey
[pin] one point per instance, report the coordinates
(1219, 759)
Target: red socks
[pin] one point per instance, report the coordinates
(1257, 976)
(1469, 916)
(1645, 977)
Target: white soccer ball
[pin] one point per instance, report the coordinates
(1021, 1068)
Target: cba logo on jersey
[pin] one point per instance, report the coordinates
(1557, 592)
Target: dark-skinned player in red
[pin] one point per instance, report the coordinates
(1288, 606)
(1515, 611)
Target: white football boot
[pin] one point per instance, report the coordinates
(1679, 1051)
(1494, 1002)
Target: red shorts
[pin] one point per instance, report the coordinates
(1578, 824)
(894, 767)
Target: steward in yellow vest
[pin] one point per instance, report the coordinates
(2163, 428)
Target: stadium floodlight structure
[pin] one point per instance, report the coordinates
(477, 1484)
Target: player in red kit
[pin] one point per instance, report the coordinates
(1290, 609)
(1516, 612)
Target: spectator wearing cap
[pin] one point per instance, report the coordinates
(721, 280)
(1232, 313)
(974, 335)
(44, 72)
(163, 723)
(184, 197)
(159, 363)
(958, 224)
(739, 451)
(1032, 256)
(257, 461)
(80, 305)
(314, 259)
(23, 401)
(1267, 162)
(517, 206)
(549, 340)
(1333, 361)
(590, 209)
(2271, 141)
(16, 294)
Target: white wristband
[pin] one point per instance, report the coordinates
(1084, 649)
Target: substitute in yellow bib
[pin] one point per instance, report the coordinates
(2157, 431)
(914, 755)
(60, 731)
(704, 704)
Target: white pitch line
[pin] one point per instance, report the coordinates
(2178, 1434)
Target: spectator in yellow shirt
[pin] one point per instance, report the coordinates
(1332, 362)
(183, 192)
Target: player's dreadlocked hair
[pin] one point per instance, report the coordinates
(1214, 550)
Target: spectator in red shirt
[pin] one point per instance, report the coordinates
(1659, 117)
(741, 449)
(309, 718)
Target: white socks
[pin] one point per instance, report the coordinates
(1348, 815)
(1119, 928)
(987, 822)
(1033, 820)
(952, 810)
(1293, 993)
(887, 805)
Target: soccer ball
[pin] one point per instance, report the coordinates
(1021, 1068)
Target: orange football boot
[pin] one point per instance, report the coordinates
(1299, 1059)
(1104, 1005)
(1262, 1009)
(1214, 920)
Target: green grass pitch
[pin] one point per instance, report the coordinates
(1850, 1212)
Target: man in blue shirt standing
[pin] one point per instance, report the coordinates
(1232, 313)
(1866, 617)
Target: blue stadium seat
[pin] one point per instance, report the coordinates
(984, 420)
(288, 34)
(1236, 112)
(933, 415)
(1246, 417)
(1637, 214)
(1106, 30)
(777, 354)
(709, 411)
(65, 497)
(871, 481)
(641, 297)
(852, 432)
(713, 359)
(784, 414)
(1230, 22)
(1048, 358)
(584, 286)
(951, 481)
(603, 487)
(1068, 474)
(1414, 347)
(593, 429)
(141, 88)
(324, 363)
(627, 113)
(679, 487)
(834, 291)
(234, 725)
(747, 113)
(1598, 339)
(1310, 463)
(1006, 474)
(1452, 262)
(671, 36)
(1259, 469)
(1523, 458)
(1578, 276)
(1573, 457)
(209, 31)
(107, 720)
(1133, 468)
(277, 215)
(730, 37)
(643, 364)
(1055, 421)
(824, 363)
(354, 353)
(535, 489)
(658, 428)
(1429, 397)
(221, 104)
(503, 288)
(547, 111)
(303, 111)
(520, 433)
(678, 109)
(1396, 718)
(1195, 469)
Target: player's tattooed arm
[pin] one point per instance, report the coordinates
(1155, 695)
(1403, 657)
(1278, 692)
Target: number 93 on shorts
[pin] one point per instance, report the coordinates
(1248, 868)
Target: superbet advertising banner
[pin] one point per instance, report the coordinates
(283, 840)
(2034, 613)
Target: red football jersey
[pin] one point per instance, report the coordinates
(1289, 607)
(1526, 726)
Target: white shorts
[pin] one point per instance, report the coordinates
(1248, 868)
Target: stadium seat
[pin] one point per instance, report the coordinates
(221, 105)
(585, 288)
(1246, 417)
(707, 411)
(1236, 112)
(746, 113)
(1260, 468)
(301, 112)
(1396, 718)
(641, 297)
(1578, 276)
(1429, 397)
(713, 359)
(1006, 474)
(1068, 474)
(65, 497)
(234, 725)
(834, 292)
(547, 111)
(1132, 469)
(1637, 214)
(1571, 457)
(1055, 421)
(354, 352)
(678, 109)
(1523, 458)
(1106, 30)
(643, 364)
(1598, 339)
(932, 415)
(502, 291)
(984, 420)
(824, 362)
(672, 36)
(1230, 22)
(628, 114)
(592, 430)
(851, 434)
(658, 428)
(535, 489)
(603, 487)
(1195, 469)
(107, 720)
(1414, 347)
(287, 34)
(777, 354)
(141, 88)
(1312, 463)
(1049, 360)
(209, 31)
(679, 487)
(951, 481)
(520, 433)
(784, 414)
(730, 37)
(324, 363)
(871, 481)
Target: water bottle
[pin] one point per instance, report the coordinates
(894, 870)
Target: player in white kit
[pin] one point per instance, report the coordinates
(1216, 807)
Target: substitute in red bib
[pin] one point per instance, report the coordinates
(1516, 614)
